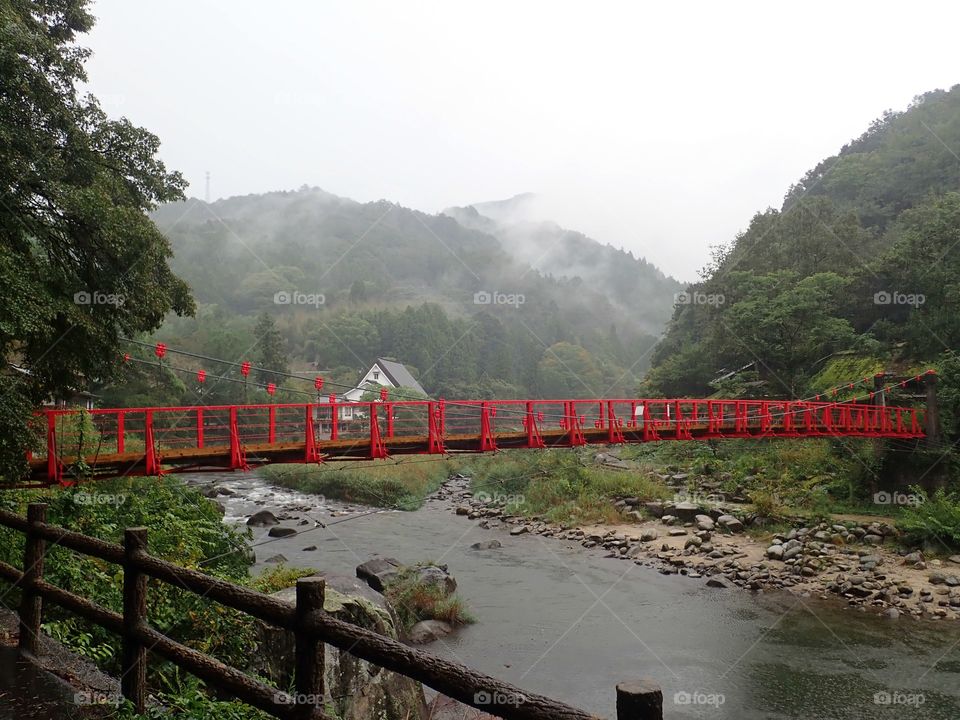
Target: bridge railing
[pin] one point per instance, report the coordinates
(311, 625)
(305, 432)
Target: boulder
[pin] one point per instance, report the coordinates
(704, 522)
(718, 582)
(279, 532)
(654, 508)
(686, 511)
(729, 522)
(262, 518)
(437, 576)
(377, 572)
(486, 545)
(356, 689)
(775, 552)
(276, 559)
(519, 530)
(649, 535)
(426, 631)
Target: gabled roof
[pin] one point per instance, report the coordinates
(399, 375)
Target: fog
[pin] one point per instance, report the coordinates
(661, 129)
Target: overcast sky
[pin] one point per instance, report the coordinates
(660, 128)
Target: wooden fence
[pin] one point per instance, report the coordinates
(312, 628)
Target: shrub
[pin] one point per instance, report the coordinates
(933, 520)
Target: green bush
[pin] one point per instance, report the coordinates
(933, 521)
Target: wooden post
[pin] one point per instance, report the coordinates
(31, 604)
(309, 663)
(133, 681)
(639, 700)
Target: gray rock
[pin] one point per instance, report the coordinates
(438, 577)
(718, 582)
(937, 578)
(310, 548)
(775, 552)
(378, 572)
(730, 523)
(677, 532)
(279, 532)
(276, 559)
(704, 522)
(486, 545)
(427, 631)
(262, 518)
(686, 511)
(519, 530)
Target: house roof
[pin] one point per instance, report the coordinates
(399, 375)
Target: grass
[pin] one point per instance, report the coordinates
(415, 600)
(558, 485)
(382, 483)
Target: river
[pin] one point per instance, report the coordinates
(567, 622)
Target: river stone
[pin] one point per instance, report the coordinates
(358, 690)
(775, 552)
(955, 559)
(486, 545)
(704, 522)
(519, 530)
(937, 578)
(377, 572)
(686, 511)
(426, 631)
(279, 532)
(262, 518)
(718, 582)
(677, 532)
(310, 548)
(438, 577)
(730, 523)
(649, 535)
(276, 559)
(654, 508)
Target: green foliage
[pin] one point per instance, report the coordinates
(271, 356)
(416, 600)
(183, 527)
(934, 520)
(381, 483)
(81, 264)
(559, 485)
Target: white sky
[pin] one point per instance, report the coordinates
(659, 127)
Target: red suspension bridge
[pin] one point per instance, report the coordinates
(153, 440)
(149, 441)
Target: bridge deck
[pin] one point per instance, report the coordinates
(147, 441)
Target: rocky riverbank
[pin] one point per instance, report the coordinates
(856, 560)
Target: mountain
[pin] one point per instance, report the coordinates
(861, 259)
(632, 285)
(447, 294)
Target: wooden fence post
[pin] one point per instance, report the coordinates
(308, 677)
(639, 700)
(31, 604)
(133, 681)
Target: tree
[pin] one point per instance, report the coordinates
(80, 262)
(270, 352)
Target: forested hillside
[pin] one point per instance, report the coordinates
(346, 282)
(863, 259)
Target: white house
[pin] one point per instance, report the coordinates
(383, 373)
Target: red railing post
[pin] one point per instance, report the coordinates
(54, 469)
(237, 459)
(388, 408)
(121, 429)
(311, 454)
(435, 428)
(614, 433)
(272, 424)
(151, 460)
(199, 427)
(334, 418)
(378, 450)
(488, 443)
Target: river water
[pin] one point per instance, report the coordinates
(567, 622)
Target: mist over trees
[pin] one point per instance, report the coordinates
(344, 283)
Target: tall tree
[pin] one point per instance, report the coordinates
(271, 354)
(80, 262)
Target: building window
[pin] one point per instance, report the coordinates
(376, 375)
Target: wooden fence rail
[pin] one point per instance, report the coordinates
(312, 628)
